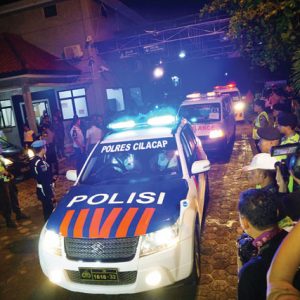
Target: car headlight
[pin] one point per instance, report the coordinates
(7, 162)
(51, 242)
(30, 153)
(160, 240)
(217, 133)
(239, 106)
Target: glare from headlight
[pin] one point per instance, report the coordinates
(30, 153)
(217, 133)
(239, 106)
(153, 278)
(52, 242)
(159, 240)
(56, 276)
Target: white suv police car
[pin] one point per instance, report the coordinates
(132, 220)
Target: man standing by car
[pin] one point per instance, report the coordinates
(43, 175)
(9, 195)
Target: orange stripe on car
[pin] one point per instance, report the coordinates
(79, 225)
(64, 226)
(126, 221)
(95, 223)
(144, 221)
(109, 222)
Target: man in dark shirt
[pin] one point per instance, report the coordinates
(258, 217)
(43, 175)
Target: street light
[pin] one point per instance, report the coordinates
(182, 54)
(158, 72)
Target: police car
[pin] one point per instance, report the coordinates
(212, 119)
(132, 220)
(239, 105)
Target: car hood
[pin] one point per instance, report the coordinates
(116, 211)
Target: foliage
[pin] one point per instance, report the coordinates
(296, 71)
(266, 31)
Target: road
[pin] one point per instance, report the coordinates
(22, 278)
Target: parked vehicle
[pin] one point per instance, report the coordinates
(17, 159)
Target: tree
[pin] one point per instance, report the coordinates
(266, 31)
(296, 71)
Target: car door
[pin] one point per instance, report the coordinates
(197, 183)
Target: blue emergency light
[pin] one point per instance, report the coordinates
(122, 125)
(156, 118)
(161, 120)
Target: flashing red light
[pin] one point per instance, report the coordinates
(231, 85)
(217, 87)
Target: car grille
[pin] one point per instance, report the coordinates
(104, 250)
(124, 278)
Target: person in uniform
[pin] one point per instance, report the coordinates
(9, 196)
(287, 122)
(268, 138)
(43, 175)
(262, 120)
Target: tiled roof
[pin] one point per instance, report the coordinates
(19, 57)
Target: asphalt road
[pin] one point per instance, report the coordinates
(22, 278)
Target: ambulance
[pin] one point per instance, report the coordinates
(212, 119)
(239, 106)
(133, 218)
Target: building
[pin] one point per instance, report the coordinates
(65, 31)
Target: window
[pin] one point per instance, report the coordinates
(50, 11)
(73, 102)
(7, 118)
(115, 99)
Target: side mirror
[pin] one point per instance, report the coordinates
(200, 166)
(71, 175)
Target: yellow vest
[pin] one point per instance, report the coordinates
(2, 169)
(256, 124)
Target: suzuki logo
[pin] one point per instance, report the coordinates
(98, 248)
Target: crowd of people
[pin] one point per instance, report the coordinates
(269, 248)
(49, 147)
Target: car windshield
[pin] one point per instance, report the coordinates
(202, 113)
(132, 161)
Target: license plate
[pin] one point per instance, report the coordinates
(99, 274)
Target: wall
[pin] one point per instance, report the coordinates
(75, 20)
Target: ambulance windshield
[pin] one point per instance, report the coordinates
(210, 112)
(234, 94)
(133, 161)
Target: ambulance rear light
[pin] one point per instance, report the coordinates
(122, 125)
(231, 85)
(161, 120)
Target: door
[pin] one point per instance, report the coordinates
(39, 106)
